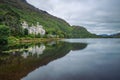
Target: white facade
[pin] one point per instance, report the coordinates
(34, 29)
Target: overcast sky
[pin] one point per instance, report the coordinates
(98, 16)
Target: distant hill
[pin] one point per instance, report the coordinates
(79, 31)
(117, 35)
(104, 35)
(14, 12)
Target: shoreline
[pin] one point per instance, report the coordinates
(37, 40)
(14, 40)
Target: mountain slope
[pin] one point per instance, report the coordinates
(20, 10)
(81, 32)
(117, 35)
(14, 12)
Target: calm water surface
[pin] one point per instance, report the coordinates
(69, 59)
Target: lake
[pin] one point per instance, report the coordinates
(68, 59)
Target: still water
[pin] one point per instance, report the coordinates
(69, 59)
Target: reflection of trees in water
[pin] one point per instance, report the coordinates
(14, 67)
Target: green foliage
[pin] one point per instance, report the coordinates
(81, 32)
(12, 40)
(26, 31)
(38, 35)
(12, 19)
(4, 34)
(31, 35)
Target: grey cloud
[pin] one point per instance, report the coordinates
(88, 13)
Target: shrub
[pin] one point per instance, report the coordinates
(4, 34)
(26, 31)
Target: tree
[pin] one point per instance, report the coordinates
(12, 20)
(4, 34)
(26, 31)
(38, 35)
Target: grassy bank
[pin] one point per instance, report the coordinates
(14, 40)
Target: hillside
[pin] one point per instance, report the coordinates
(115, 35)
(81, 32)
(15, 12)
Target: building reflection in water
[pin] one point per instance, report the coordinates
(35, 50)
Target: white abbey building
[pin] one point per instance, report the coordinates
(34, 29)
